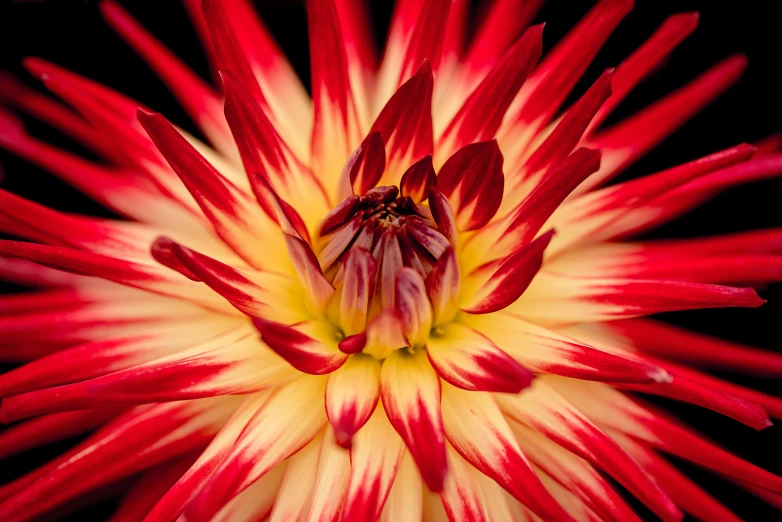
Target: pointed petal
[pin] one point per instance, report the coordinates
(351, 396)
(412, 305)
(317, 288)
(498, 284)
(405, 124)
(404, 502)
(443, 285)
(360, 268)
(285, 423)
(419, 180)
(469, 360)
(364, 168)
(426, 40)
(310, 347)
(331, 483)
(375, 456)
(461, 495)
(472, 180)
(410, 390)
(476, 428)
(292, 502)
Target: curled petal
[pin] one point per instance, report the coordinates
(418, 181)
(310, 347)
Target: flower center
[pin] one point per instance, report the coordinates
(378, 251)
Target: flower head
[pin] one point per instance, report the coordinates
(404, 299)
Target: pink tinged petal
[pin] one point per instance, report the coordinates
(419, 180)
(317, 288)
(696, 348)
(476, 428)
(544, 351)
(652, 54)
(137, 440)
(199, 99)
(359, 41)
(385, 333)
(285, 423)
(265, 153)
(461, 494)
(228, 53)
(574, 474)
(335, 126)
(472, 180)
(568, 132)
(684, 492)
(469, 360)
(633, 137)
(360, 270)
(46, 429)
(331, 482)
(547, 412)
(292, 501)
(351, 396)
(426, 40)
(443, 285)
(482, 113)
(404, 502)
(405, 123)
(235, 217)
(443, 214)
(374, 457)
(364, 168)
(430, 239)
(500, 283)
(503, 23)
(412, 305)
(410, 389)
(310, 347)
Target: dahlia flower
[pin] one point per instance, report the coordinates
(408, 297)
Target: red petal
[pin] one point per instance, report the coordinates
(308, 354)
(426, 41)
(418, 181)
(443, 285)
(365, 166)
(472, 180)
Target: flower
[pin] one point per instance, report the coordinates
(411, 305)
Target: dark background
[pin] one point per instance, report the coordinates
(70, 33)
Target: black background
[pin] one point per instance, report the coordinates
(70, 33)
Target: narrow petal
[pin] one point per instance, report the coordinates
(410, 389)
(317, 288)
(461, 495)
(443, 285)
(472, 180)
(351, 396)
(405, 123)
(549, 413)
(498, 284)
(331, 483)
(545, 351)
(310, 347)
(360, 268)
(405, 500)
(374, 457)
(284, 424)
(482, 113)
(476, 428)
(292, 501)
(412, 305)
(365, 167)
(418, 181)
(470, 361)
(426, 40)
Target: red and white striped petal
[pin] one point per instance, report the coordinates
(476, 428)
(461, 494)
(351, 396)
(285, 423)
(292, 501)
(443, 285)
(472, 180)
(317, 289)
(419, 180)
(470, 361)
(412, 306)
(335, 130)
(332, 476)
(311, 346)
(545, 351)
(360, 270)
(375, 458)
(498, 284)
(410, 389)
(548, 413)
(405, 123)
(404, 501)
(574, 474)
